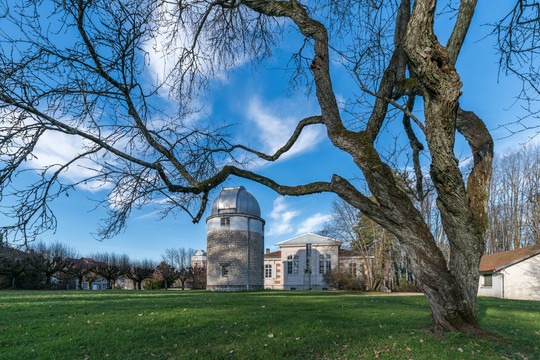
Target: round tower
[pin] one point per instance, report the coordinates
(235, 242)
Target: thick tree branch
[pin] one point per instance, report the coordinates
(481, 143)
(464, 18)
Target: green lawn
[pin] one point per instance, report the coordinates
(255, 325)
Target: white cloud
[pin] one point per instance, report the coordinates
(281, 218)
(275, 128)
(313, 223)
(54, 148)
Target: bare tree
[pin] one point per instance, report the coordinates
(178, 257)
(50, 259)
(91, 85)
(111, 267)
(140, 271)
(184, 274)
(13, 264)
(365, 236)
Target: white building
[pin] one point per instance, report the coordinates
(513, 274)
(303, 261)
(199, 259)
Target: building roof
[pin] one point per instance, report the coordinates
(275, 254)
(344, 252)
(499, 261)
(236, 200)
(310, 238)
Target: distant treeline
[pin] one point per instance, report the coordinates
(56, 266)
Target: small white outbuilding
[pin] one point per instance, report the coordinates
(513, 274)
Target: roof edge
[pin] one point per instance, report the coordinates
(515, 261)
(309, 233)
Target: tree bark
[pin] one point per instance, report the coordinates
(452, 296)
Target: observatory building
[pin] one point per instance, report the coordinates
(235, 242)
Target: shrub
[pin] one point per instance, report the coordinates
(342, 279)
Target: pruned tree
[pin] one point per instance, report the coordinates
(91, 275)
(140, 271)
(184, 274)
(111, 267)
(13, 264)
(78, 269)
(50, 259)
(79, 71)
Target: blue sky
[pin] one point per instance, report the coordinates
(257, 102)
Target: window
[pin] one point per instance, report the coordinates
(293, 264)
(268, 271)
(224, 270)
(488, 280)
(328, 263)
(308, 258)
(321, 264)
(352, 269)
(296, 264)
(225, 221)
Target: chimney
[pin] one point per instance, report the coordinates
(267, 250)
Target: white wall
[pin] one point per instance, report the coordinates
(238, 222)
(297, 280)
(518, 281)
(495, 289)
(522, 280)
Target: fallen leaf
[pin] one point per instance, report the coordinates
(271, 336)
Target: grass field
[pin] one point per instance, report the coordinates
(255, 325)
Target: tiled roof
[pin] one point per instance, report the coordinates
(506, 258)
(310, 238)
(275, 254)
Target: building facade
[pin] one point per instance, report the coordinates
(235, 242)
(303, 261)
(199, 259)
(513, 274)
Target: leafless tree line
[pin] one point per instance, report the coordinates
(56, 266)
(514, 203)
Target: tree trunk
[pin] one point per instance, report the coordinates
(452, 300)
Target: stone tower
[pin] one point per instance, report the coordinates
(235, 242)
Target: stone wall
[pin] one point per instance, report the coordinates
(229, 248)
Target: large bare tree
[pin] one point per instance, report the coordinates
(78, 68)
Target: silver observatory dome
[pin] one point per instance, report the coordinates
(236, 200)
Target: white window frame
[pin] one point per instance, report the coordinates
(268, 271)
